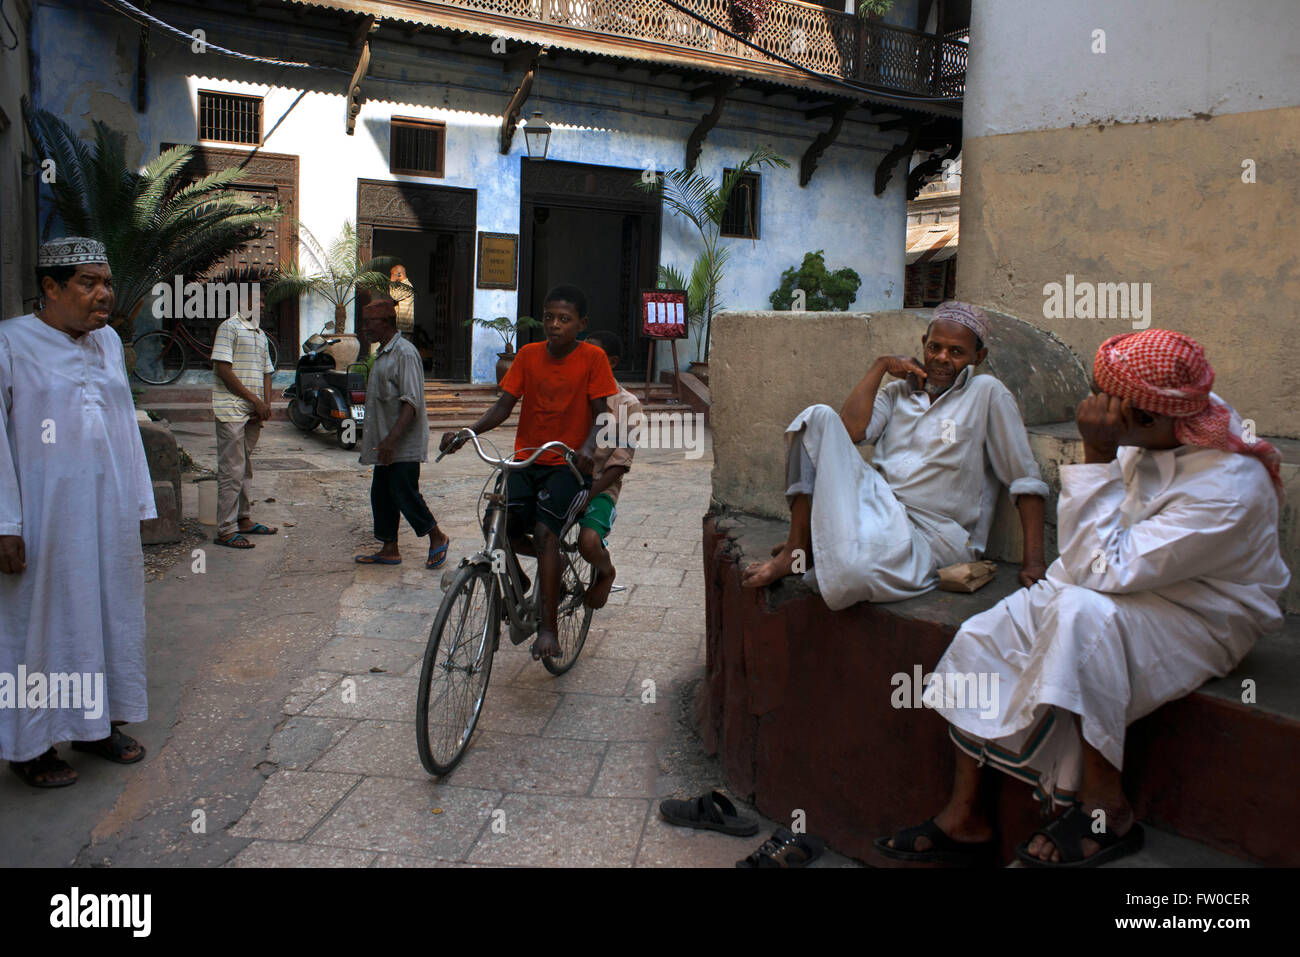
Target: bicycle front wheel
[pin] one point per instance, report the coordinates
(159, 357)
(574, 618)
(457, 665)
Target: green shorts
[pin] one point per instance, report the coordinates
(599, 516)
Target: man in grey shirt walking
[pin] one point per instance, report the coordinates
(396, 439)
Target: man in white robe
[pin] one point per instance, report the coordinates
(1169, 571)
(74, 487)
(944, 440)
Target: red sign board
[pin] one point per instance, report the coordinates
(663, 314)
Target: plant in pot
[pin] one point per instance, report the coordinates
(703, 202)
(823, 290)
(339, 273)
(508, 331)
(155, 224)
(697, 295)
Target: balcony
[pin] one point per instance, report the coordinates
(834, 44)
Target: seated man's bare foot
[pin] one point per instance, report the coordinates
(1119, 820)
(761, 574)
(598, 593)
(547, 645)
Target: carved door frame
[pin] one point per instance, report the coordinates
(419, 207)
(262, 169)
(604, 188)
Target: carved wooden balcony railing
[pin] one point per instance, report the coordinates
(835, 44)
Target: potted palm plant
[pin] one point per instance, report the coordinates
(154, 224)
(703, 202)
(508, 331)
(339, 272)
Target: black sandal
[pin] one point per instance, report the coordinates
(710, 812)
(786, 849)
(112, 748)
(41, 767)
(943, 849)
(1067, 833)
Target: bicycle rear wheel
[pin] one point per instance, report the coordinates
(574, 618)
(457, 666)
(159, 357)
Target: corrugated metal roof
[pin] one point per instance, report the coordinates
(485, 24)
(931, 242)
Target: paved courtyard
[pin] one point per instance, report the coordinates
(283, 687)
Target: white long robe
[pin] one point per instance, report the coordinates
(74, 483)
(1170, 569)
(881, 531)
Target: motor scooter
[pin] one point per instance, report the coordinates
(325, 397)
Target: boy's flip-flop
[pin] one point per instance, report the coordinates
(785, 849)
(234, 541)
(1067, 832)
(259, 529)
(942, 850)
(437, 555)
(112, 748)
(375, 559)
(709, 812)
(42, 767)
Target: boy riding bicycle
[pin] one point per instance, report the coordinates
(564, 384)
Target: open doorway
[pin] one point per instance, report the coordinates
(430, 259)
(591, 227)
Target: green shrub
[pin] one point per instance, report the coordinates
(824, 290)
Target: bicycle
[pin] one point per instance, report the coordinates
(160, 356)
(486, 589)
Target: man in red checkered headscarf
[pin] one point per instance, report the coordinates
(1169, 571)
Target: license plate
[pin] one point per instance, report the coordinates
(359, 412)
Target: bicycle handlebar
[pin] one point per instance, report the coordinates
(511, 464)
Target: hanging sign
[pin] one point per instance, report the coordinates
(663, 314)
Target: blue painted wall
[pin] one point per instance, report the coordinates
(596, 121)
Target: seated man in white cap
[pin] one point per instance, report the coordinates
(74, 486)
(944, 437)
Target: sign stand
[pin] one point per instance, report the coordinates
(663, 313)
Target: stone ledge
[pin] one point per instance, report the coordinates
(783, 703)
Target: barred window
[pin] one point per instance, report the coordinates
(418, 147)
(230, 118)
(741, 215)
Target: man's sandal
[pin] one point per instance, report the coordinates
(234, 541)
(39, 772)
(710, 812)
(1070, 829)
(437, 555)
(942, 850)
(375, 559)
(113, 748)
(258, 529)
(785, 849)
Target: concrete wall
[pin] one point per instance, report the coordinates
(1127, 167)
(594, 120)
(17, 189)
(757, 391)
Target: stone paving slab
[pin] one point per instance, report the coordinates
(291, 804)
(275, 854)
(547, 831)
(599, 718)
(528, 764)
(384, 748)
(373, 696)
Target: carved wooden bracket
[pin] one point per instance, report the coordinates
(363, 67)
(510, 118)
(927, 170)
(808, 164)
(695, 143)
(885, 171)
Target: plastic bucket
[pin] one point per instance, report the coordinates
(207, 500)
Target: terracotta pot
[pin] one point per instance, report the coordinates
(503, 364)
(345, 351)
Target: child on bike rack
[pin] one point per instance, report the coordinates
(564, 384)
(613, 459)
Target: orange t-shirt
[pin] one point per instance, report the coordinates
(557, 395)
